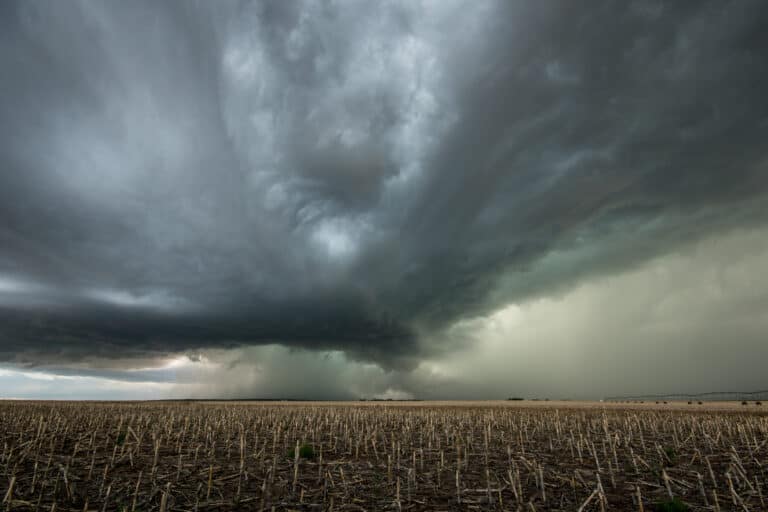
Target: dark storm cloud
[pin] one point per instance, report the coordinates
(352, 176)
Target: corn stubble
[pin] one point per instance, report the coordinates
(247, 456)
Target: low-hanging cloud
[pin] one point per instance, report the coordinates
(355, 178)
(687, 321)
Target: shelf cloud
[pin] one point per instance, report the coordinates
(361, 179)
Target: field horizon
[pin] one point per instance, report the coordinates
(691, 405)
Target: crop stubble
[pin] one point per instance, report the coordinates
(173, 456)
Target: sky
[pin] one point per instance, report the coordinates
(398, 199)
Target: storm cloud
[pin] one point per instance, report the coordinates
(356, 177)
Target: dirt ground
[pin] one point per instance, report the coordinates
(382, 455)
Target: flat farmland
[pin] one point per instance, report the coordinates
(515, 455)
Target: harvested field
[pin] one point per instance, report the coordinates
(173, 456)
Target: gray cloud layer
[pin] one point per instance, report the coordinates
(355, 176)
